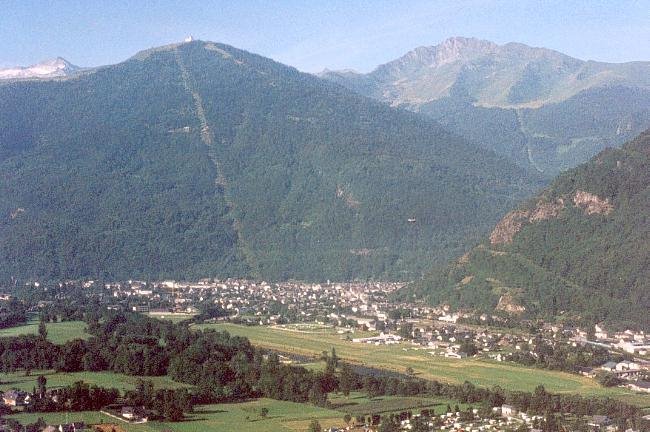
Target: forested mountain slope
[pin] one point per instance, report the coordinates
(543, 109)
(199, 159)
(580, 249)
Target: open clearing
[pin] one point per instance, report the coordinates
(399, 357)
(58, 333)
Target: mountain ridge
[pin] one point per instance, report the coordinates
(200, 159)
(509, 98)
(509, 64)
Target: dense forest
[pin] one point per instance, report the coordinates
(579, 250)
(198, 160)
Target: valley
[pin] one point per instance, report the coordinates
(436, 233)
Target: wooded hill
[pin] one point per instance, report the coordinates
(199, 159)
(578, 250)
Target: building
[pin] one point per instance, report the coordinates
(508, 411)
(16, 398)
(634, 347)
(128, 412)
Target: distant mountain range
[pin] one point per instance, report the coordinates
(579, 250)
(199, 159)
(543, 109)
(54, 68)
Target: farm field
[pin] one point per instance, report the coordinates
(399, 357)
(103, 379)
(58, 333)
(282, 417)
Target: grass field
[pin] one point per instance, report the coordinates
(396, 358)
(282, 416)
(359, 404)
(103, 379)
(58, 333)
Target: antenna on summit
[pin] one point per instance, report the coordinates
(189, 39)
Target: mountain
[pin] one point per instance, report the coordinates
(579, 250)
(199, 159)
(506, 76)
(509, 98)
(54, 68)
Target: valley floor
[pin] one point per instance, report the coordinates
(402, 356)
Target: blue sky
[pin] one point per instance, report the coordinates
(312, 35)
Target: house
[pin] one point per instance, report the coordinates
(600, 333)
(456, 355)
(128, 412)
(133, 414)
(640, 386)
(627, 365)
(508, 410)
(16, 398)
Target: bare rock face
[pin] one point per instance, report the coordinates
(547, 210)
(592, 204)
(514, 221)
(508, 304)
(507, 227)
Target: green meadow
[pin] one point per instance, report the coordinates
(104, 379)
(58, 333)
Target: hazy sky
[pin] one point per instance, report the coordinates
(311, 34)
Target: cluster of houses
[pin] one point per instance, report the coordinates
(257, 302)
(630, 341)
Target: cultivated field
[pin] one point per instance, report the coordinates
(58, 333)
(399, 357)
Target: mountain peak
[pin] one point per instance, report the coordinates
(52, 68)
(448, 51)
